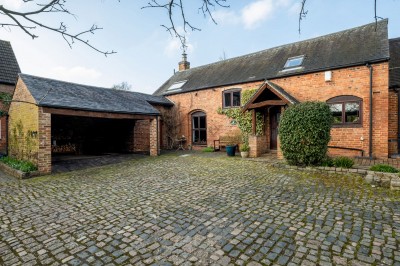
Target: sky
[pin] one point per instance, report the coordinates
(147, 55)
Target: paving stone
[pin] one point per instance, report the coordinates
(183, 210)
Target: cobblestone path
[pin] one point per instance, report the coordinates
(196, 210)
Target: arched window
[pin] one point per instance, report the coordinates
(199, 128)
(346, 110)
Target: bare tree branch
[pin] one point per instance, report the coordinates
(28, 22)
(176, 14)
(303, 13)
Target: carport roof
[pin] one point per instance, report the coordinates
(67, 95)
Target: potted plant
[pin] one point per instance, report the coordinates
(244, 150)
(230, 149)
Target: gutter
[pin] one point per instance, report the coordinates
(371, 69)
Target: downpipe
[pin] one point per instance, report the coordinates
(370, 109)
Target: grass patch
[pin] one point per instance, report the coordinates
(208, 149)
(24, 166)
(383, 168)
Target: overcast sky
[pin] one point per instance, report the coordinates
(147, 55)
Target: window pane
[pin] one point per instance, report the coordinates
(294, 62)
(203, 136)
(196, 136)
(227, 99)
(195, 122)
(236, 98)
(352, 114)
(336, 110)
(202, 122)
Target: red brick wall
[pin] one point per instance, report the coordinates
(349, 81)
(393, 122)
(310, 87)
(141, 137)
(3, 121)
(207, 101)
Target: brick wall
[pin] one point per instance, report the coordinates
(393, 122)
(3, 120)
(207, 101)
(44, 155)
(309, 87)
(141, 136)
(349, 81)
(23, 125)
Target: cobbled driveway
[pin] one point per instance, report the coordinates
(175, 210)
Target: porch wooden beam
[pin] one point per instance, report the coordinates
(71, 112)
(254, 122)
(267, 103)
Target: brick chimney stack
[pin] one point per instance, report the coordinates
(184, 64)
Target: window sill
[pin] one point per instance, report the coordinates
(347, 125)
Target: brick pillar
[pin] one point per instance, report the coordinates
(154, 137)
(44, 155)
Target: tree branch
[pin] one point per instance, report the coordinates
(176, 13)
(53, 6)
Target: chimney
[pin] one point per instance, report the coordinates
(184, 64)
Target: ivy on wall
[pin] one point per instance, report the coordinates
(5, 99)
(23, 144)
(244, 119)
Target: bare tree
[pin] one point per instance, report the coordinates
(123, 86)
(176, 12)
(28, 21)
(172, 123)
(303, 12)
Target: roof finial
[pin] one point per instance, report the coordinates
(184, 64)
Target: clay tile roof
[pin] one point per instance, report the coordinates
(9, 67)
(356, 46)
(61, 94)
(394, 63)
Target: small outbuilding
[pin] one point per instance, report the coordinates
(53, 118)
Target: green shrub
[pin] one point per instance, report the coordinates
(244, 147)
(24, 166)
(208, 149)
(343, 162)
(304, 132)
(327, 161)
(383, 168)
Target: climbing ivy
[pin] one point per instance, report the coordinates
(244, 119)
(5, 99)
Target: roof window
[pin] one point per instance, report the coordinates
(176, 86)
(294, 62)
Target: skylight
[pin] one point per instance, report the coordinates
(294, 62)
(176, 86)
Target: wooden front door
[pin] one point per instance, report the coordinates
(274, 115)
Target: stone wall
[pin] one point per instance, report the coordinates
(23, 125)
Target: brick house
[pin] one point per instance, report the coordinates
(9, 70)
(352, 70)
(50, 118)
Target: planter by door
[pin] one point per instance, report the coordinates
(230, 150)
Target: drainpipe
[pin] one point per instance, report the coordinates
(158, 145)
(370, 109)
(398, 120)
(7, 116)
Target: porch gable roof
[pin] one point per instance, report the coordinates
(284, 97)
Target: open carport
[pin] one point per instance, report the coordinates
(59, 118)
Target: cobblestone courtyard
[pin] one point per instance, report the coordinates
(176, 210)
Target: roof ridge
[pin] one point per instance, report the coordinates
(285, 45)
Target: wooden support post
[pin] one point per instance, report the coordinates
(254, 124)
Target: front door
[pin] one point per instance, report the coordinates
(274, 115)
